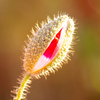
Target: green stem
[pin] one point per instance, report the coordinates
(20, 94)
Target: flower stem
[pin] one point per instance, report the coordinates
(23, 87)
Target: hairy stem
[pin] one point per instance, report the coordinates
(23, 87)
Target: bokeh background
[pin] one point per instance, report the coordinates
(77, 80)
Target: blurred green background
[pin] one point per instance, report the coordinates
(77, 80)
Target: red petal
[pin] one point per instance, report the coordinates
(50, 52)
(52, 47)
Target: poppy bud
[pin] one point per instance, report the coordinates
(49, 46)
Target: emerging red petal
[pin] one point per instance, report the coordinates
(50, 52)
(52, 47)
